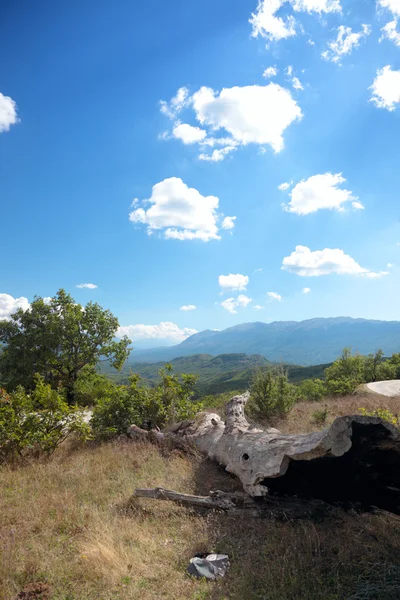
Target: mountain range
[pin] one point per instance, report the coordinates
(310, 342)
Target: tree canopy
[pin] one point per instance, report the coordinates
(57, 339)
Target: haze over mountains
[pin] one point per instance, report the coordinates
(310, 342)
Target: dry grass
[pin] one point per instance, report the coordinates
(301, 419)
(70, 523)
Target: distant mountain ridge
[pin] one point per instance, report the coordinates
(309, 342)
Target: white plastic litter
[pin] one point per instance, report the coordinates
(211, 567)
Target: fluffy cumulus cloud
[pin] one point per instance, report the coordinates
(386, 88)
(233, 282)
(180, 212)
(9, 305)
(347, 40)
(188, 134)
(270, 72)
(88, 286)
(266, 22)
(252, 114)
(320, 192)
(232, 304)
(8, 113)
(306, 290)
(258, 307)
(390, 32)
(188, 307)
(306, 263)
(274, 296)
(163, 331)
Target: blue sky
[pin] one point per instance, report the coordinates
(130, 133)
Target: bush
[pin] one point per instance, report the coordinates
(312, 390)
(382, 413)
(36, 423)
(272, 396)
(168, 402)
(320, 416)
(92, 386)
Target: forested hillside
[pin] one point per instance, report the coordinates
(216, 374)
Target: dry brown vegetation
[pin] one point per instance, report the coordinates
(69, 528)
(301, 416)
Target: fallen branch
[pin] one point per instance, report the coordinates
(241, 504)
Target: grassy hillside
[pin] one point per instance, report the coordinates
(69, 525)
(217, 374)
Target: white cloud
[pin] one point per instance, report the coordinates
(296, 83)
(347, 40)
(188, 134)
(274, 296)
(267, 24)
(270, 72)
(188, 307)
(258, 307)
(231, 304)
(218, 154)
(89, 286)
(250, 114)
(306, 263)
(319, 192)
(163, 331)
(182, 213)
(9, 305)
(392, 5)
(389, 32)
(253, 114)
(47, 299)
(8, 113)
(285, 186)
(389, 265)
(386, 88)
(228, 223)
(306, 290)
(233, 282)
(172, 108)
(357, 205)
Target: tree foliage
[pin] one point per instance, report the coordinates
(58, 339)
(272, 396)
(170, 401)
(36, 423)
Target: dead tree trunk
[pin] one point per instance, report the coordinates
(357, 459)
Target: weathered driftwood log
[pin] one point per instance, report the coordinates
(239, 503)
(356, 459)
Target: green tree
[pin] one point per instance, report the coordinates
(372, 364)
(312, 390)
(272, 396)
(58, 339)
(345, 374)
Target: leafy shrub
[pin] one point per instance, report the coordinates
(272, 396)
(91, 386)
(382, 413)
(168, 402)
(312, 390)
(320, 416)
(36, 423)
